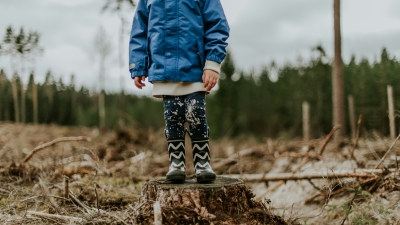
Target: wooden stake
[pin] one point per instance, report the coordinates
(391, 112)
(352, 116)
(66, 187)
(306, 121)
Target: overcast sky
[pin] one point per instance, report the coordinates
(261, 31)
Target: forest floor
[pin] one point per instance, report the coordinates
(77, 175)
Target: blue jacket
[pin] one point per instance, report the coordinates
(171, 39)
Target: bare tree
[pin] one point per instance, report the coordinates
(337, 75)
(117, 6)
(103, 48)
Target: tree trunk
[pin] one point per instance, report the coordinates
(15, 98)
(337, 76)
(23, 104)
(352, 116)
(35, 104)
(226, 201)
(102, 110)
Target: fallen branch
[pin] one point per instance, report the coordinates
(356, 173)
(328, 138)
(53, 142)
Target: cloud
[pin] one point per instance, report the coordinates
(69, 3)
(261, 31)
(278, 31)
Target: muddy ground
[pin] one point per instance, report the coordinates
(61, 175)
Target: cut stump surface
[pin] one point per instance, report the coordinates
(225, 201)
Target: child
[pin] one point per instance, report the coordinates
(179, 46)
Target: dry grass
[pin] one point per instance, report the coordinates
(76, 181)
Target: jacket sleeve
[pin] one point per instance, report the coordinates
(138, 54)
(216, 29)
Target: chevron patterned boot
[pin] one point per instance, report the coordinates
(201, 161)
(176, 151)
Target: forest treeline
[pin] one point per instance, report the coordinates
(267, 103)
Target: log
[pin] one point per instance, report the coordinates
(225, 201)
(354, 173)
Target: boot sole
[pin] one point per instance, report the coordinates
(176, 177)
(205, 178)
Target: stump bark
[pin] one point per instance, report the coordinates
(225, 201)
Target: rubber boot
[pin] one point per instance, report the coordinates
(176, 152)
(201, 161)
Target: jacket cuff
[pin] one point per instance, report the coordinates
(137, 73)
(212, 65)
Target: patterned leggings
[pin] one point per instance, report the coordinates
(189, 108)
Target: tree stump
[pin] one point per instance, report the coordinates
(225, 201)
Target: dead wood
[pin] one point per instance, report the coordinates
(225, 201)
(356, 173)
(75, 199)
(328, 138)
(53, 142)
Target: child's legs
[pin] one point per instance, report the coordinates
(196, 116)
(174, 116)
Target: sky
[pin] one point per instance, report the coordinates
(262, 31)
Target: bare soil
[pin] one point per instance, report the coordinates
(80, 175)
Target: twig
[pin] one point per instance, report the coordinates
(340, 190)
(350, 205)
(55, 216)
(97, 198)
(314, 186)
(371, 150)
(328, 138)
(306, 159)
(76, 200)
(4, 190)
(46, 193)
(53, 142)
(387, 152)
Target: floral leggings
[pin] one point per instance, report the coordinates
(189, 108)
